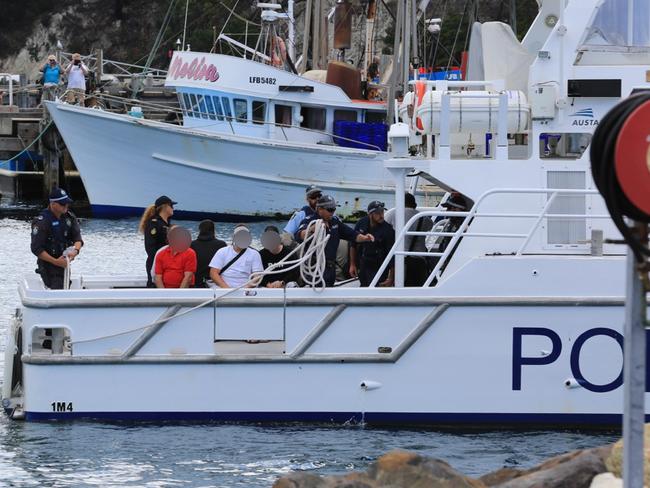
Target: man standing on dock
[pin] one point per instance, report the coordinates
(55, 235)
(51, 78)
(76, 72)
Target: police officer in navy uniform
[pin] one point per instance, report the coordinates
(312, 194)
(337, 230)
(367, 258)
(53, 231)
(154, 224)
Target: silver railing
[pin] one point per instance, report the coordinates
(469, 215)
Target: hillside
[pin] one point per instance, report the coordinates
(126, 29)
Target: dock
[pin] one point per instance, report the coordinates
(33, 156)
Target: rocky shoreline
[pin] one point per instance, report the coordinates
(589, 468)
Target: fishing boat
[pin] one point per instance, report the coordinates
(255, 133)
(519, 321)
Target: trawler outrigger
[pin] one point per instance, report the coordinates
(521, 322)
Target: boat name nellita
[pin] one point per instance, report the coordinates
(196, 69)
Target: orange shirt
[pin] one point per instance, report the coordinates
(172, 266)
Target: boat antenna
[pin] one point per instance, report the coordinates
(136, 80)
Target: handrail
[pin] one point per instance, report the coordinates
(473, 213)
(11, 87)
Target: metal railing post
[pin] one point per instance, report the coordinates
(634, 364)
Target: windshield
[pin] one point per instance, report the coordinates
(620, 23)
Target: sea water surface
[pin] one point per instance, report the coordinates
(215, 455)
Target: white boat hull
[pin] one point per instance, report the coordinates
(126, 163)
(403, 356)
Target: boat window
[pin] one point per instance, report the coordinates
(204, 110)
(217, 106)
(349, 115)
(620, 23)
(570, 230)
(227, 111)
(313, 118)
(373, 116)
(210, 107)
(181, 102)
(194, 106)
(188, 105)
(241, 110)
(283, 114)
(259, 112)
(564, 145)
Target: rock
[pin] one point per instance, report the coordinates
(400, 468)
(395, 470)
(614, 462)
(576, 470)
(606, 480)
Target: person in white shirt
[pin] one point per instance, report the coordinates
(232, 266)
(76, 72)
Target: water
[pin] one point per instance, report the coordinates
(171, 455)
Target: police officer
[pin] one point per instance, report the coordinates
(154, 225)
(312, 194)
(337, 230)
(367, 258)
(53, 231)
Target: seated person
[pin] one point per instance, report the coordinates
(176, 263)
(232, 266)
(205, 247)
(274, 251)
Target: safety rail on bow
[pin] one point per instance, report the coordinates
(471, 214)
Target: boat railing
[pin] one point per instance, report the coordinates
(444, 256)
(229, 119)
(9, 77)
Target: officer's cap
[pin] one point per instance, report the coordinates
(60, 196)
(313, 190)
(162, 200)
(376, 206)
(326, 201)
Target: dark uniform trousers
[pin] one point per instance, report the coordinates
(53, 236)
(155, 237)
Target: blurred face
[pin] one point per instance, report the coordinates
(179, 239)
(242, 238)
(270, 240)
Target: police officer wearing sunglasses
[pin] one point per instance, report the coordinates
(337, 230)
(54, 231)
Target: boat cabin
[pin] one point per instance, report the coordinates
(241, 97)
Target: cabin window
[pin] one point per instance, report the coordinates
(373, 117)
(188, 105)
(181, 102)
(570, 230)
(313, 118)
(283, 114)
(241, 110)
(217, 106)
(563, 145)
(227, 111)
(259, 112)
(210, 107)
(348, 115)
(204, 110)
(194, 106)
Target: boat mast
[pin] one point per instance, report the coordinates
(513, 15)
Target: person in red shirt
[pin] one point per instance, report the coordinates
(176, 263)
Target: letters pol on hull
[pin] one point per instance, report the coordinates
(519, 360)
